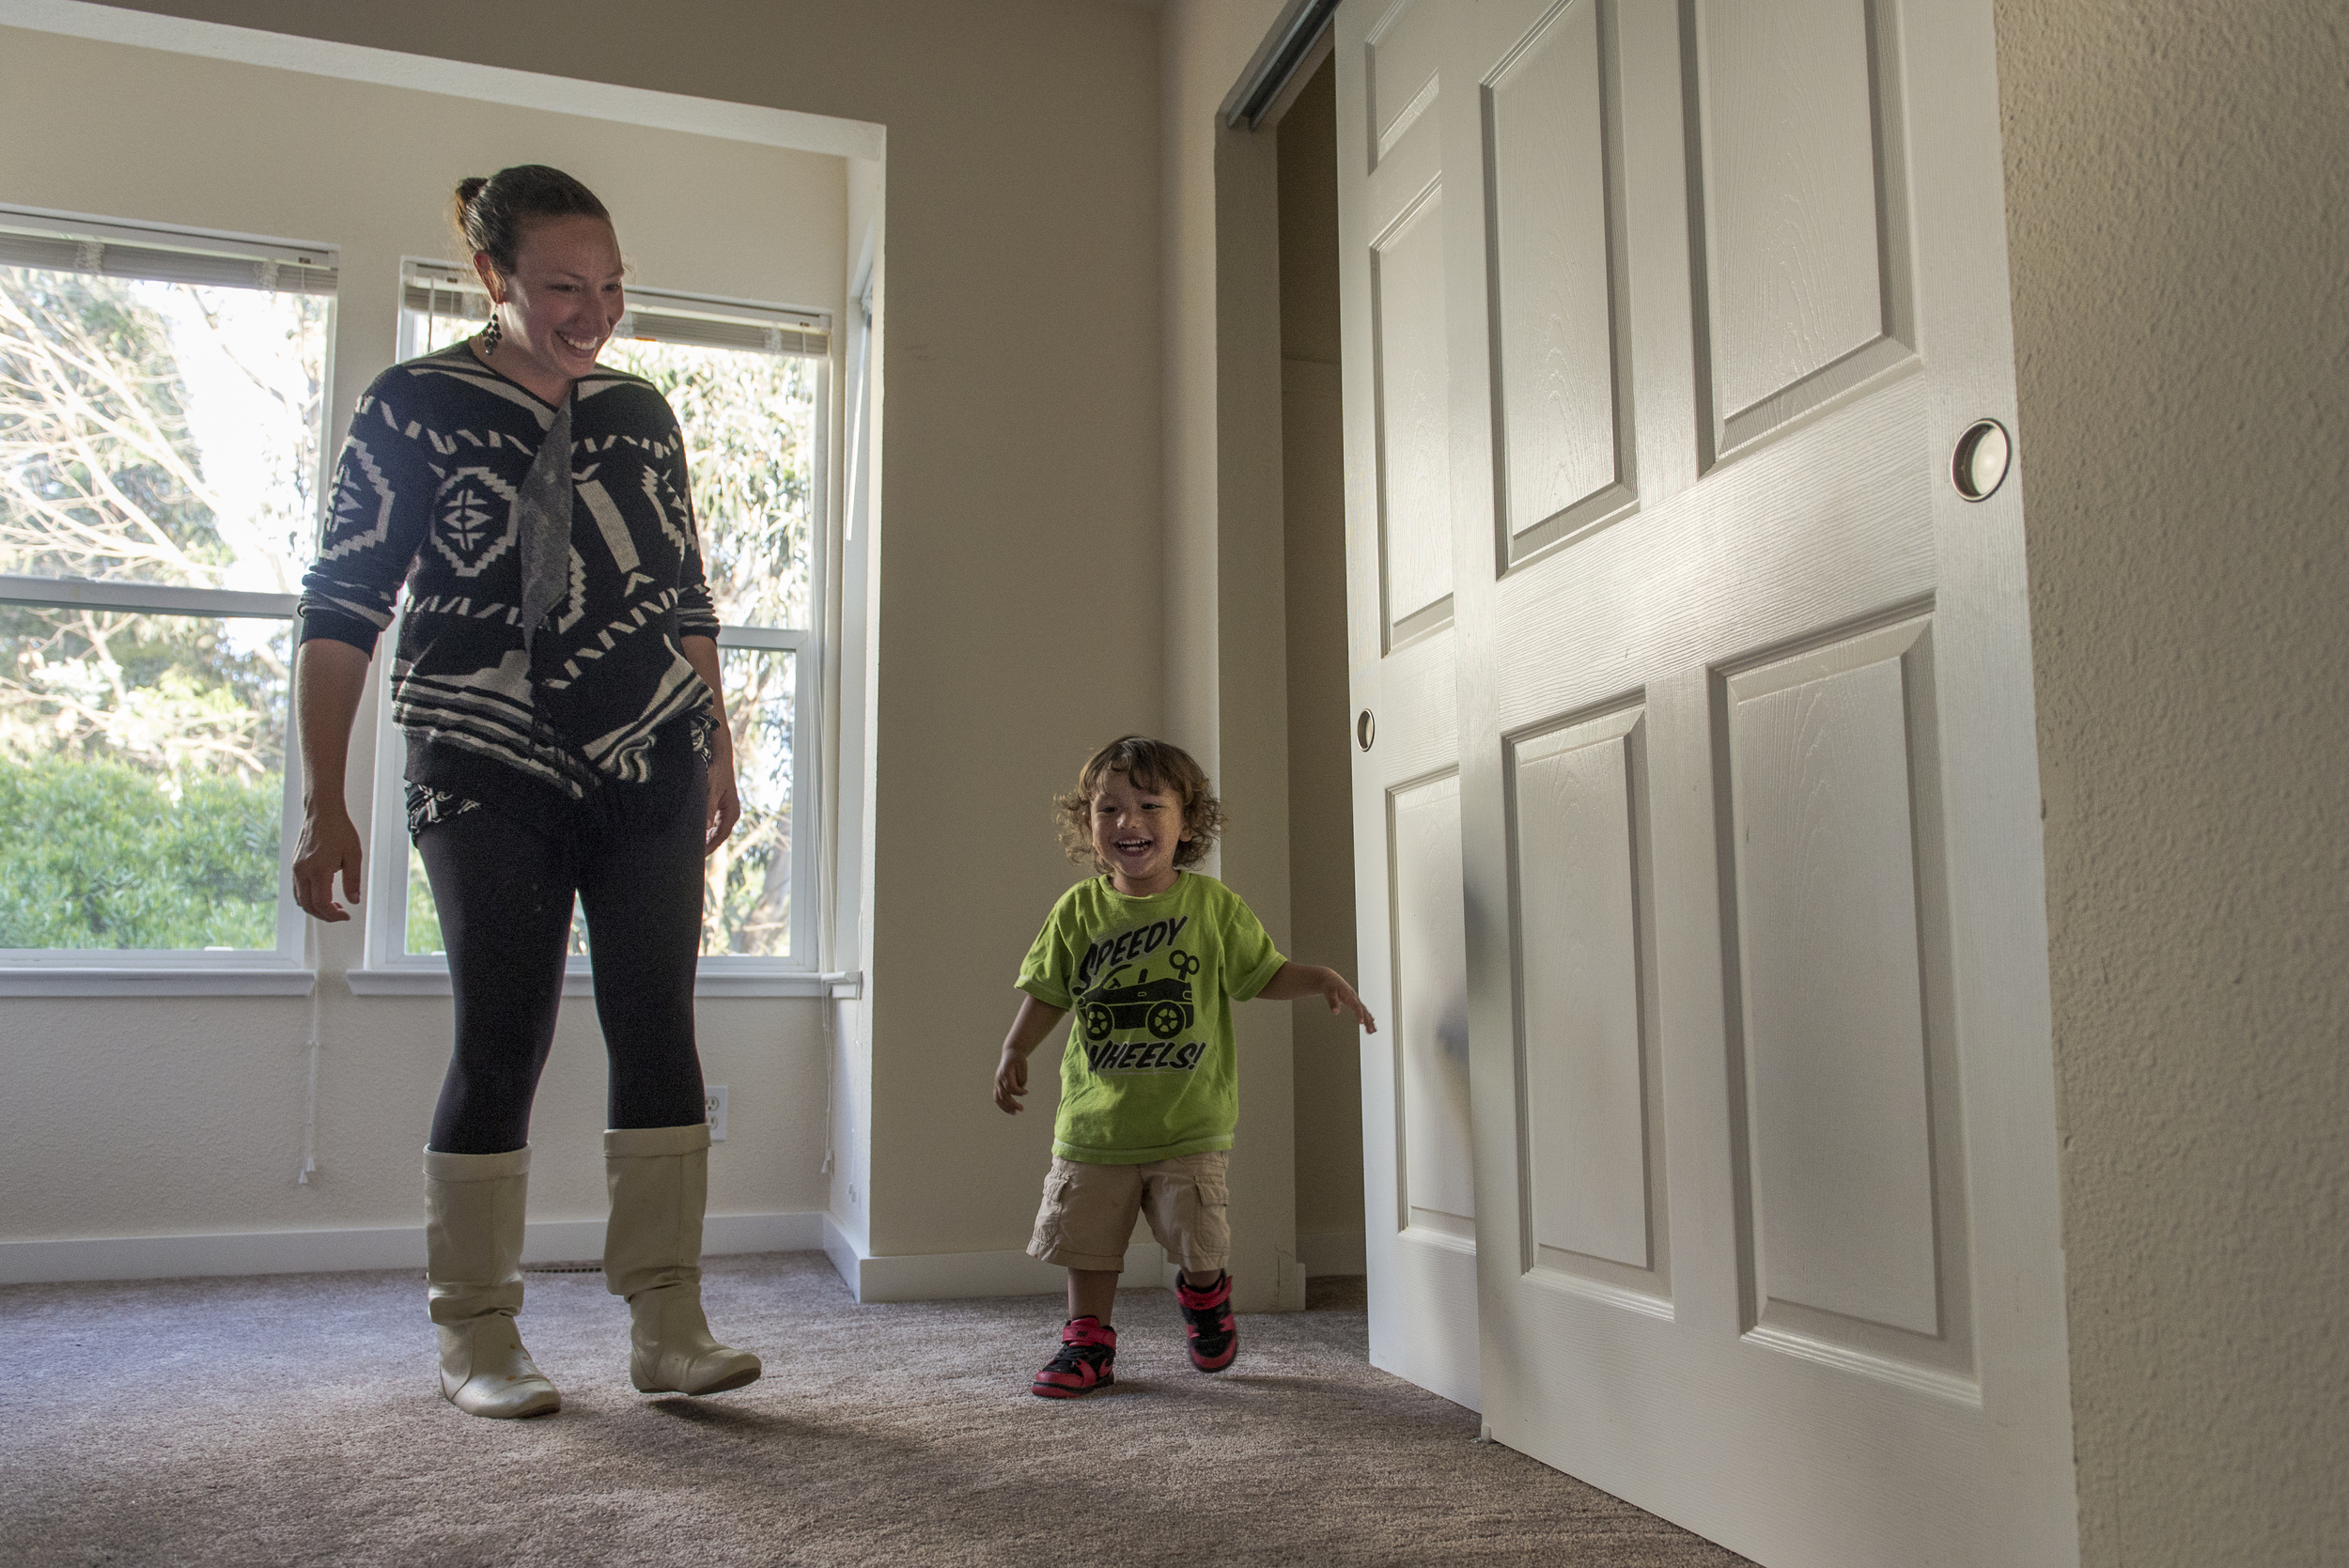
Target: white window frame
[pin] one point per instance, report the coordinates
(220, 258)
(389, 968)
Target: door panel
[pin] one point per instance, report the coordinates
(1592, 1167)
(1418, 1175)
(1559, 393)
(1743, 762)
(1401, 50)
(1831, 979)
(1804, 221)
(1430, 1018)
(1410, 355)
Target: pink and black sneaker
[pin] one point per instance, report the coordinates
(1207, 1317)
(1088, 1349)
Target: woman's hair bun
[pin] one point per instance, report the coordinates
(490, 214)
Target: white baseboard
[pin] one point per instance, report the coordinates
(947, 1276)
(545, 1241)
(1325, 1252)
(920, 1276)
(843, 1249)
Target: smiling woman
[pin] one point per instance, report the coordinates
(557, 299)
(558, 682)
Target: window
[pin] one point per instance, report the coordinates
(160, 458)
(749, 384)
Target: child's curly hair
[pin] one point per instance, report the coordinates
(1150, 765)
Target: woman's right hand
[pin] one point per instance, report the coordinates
(330, 843)
(329, 678)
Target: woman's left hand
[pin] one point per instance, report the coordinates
(724, 805)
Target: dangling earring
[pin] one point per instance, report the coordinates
(491, 334)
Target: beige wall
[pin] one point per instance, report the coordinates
(1019, 617)
(146, 1117)
(1019, 538)
(1226, 692)
(1327, 1068)
(1028, 602)
(2178, 220)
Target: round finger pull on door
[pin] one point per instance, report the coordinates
(1983, 454)
(1365, 730)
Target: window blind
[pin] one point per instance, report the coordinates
(653, 316)
(151, 257)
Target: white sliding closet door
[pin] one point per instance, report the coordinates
(1417, 1164)
(1751, 919)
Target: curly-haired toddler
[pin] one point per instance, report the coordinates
(1149, 954)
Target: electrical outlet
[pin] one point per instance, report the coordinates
(714, 1100)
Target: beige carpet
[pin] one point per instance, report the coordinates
(293, 1420)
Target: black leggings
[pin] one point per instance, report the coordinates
(504, 889)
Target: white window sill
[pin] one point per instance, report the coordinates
(131, 980)
(423, 982)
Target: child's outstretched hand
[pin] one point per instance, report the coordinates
(1011, 1082)
(1341, 998)
(1293, 981)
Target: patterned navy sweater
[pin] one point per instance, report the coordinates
(425, 493)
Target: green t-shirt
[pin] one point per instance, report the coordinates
(1149, 1072)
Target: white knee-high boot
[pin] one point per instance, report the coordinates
(472, 1207)
(658, 1179)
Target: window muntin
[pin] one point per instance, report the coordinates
(749, 383)
(160, 429)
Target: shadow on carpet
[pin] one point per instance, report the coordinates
(295, 1419)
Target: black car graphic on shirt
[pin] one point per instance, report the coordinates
(1161, 1006)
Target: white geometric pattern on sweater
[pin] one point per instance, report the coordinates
(425, 500)
(360, 489)
(476, 521)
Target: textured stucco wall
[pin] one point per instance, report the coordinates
(2178, 220)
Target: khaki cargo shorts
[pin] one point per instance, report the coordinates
(1088, 1213)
